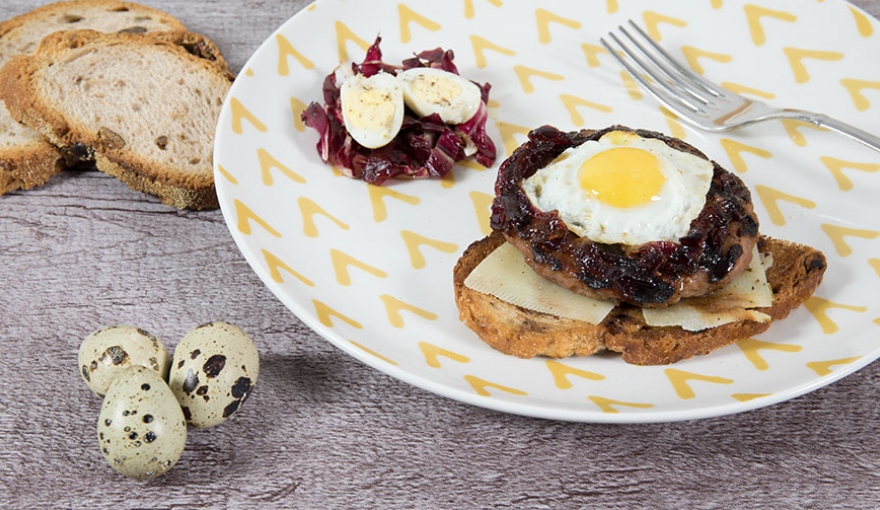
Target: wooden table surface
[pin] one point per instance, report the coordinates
(323, 430)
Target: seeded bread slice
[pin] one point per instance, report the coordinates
(796, 272)
(142, 107)
(26, 159)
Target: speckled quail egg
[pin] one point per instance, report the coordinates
(141, 428)
(623, 188)
(214, 369)
(106, 352)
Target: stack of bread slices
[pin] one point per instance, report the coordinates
(115, 83)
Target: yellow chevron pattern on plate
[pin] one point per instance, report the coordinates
(344, 36)
(433, 354)
(692, 56)
(756, 14)
(771, 197)
(377, 199)
(241, 114)
(838, 235)
(608, 405)
(836, 166)
(415, 241)
(408, 17)
(856, 91)
(286, 51)
(746, 397)
(681, 380)
(480, 45)
(370, 267)
(482, 387)
(269, 163)
(793, 128)
(343, 261)
(277, 267)
(735, 149)
(395, 307)
(796, 57)
(751, 348)
(823, 368)
(325, 314)
(820, 307)
(373, 353)
(561, 373)
(654, 19)
(544, 18)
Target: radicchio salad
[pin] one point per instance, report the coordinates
(424, 147)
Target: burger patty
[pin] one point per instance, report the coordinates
(717, 247)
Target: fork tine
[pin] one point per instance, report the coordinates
(660, 88)
(670, 64)
(665, 72)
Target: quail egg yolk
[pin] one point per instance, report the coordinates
(622, 177)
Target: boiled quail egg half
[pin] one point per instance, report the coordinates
(373, 107)
(428, 90)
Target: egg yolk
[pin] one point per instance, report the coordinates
(622, 177)
(370, 109)
(435, 89)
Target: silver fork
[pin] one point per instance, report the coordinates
(698, 101)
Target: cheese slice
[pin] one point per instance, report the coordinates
(505, 275)
(731, 303)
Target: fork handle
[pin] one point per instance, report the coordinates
(822, 120)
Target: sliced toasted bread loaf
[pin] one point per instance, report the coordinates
(796, 272)
(143, 107)
(26, 159)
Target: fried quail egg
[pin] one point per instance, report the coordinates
(372, 108)
(428, 90)
(623, 188)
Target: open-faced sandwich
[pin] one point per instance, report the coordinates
(628, 241)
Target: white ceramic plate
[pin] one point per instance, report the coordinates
(370, 269)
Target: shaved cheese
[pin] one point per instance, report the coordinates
(731, 303)
(505, 275)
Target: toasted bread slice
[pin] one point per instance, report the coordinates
(796, 272)
(26, 159)
(143, 107)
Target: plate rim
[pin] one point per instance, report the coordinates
(525, 409)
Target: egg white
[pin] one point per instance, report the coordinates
(372, 108)
(428, 90)
(666, 217)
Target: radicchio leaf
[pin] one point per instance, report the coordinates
(425, 147)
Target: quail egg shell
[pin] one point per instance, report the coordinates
(214, 369)
(106, 352)
(141, 428)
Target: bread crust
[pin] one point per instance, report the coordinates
(28, 161)
(796, 272)
(59, 8)
(174, 186)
